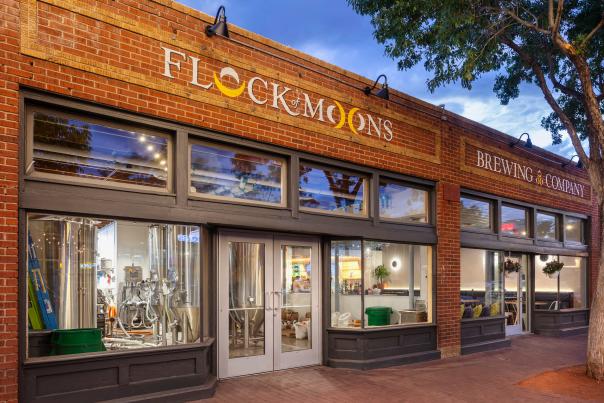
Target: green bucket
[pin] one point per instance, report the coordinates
(76, 341)
(378, 315)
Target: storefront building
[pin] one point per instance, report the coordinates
(177, 208)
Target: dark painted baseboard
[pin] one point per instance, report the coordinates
(560, 323)
(566, 332)
(385, 361)
(485, 346)
(381, 347)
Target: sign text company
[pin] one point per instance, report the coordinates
(526, 173)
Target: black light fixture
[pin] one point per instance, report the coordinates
(220, 24)
(382, 93)
(527, 144)
(579, 163)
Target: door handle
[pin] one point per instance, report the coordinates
(278, 304)
(267, 301)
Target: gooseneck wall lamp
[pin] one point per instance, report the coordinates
(383, 92)
(528, 143)
(579, 163)
(220, 24)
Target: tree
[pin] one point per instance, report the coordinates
(556, 45)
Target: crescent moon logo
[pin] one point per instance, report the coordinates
(229, 92)
(342, 115)
(351, 123)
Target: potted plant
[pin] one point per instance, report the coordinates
(509, 266)
(381, 274)
(552, 269)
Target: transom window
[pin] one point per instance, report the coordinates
(514, 221)
(228, 173)
(574, 229)
(82, 148)
(399, 202)
(331, 190)
(547, 226)
(476, 213)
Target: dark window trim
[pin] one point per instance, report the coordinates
(183, 133)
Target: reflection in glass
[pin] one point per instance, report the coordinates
(514, 221)
(573, 228)
(475, 213)
(404, 203)
(83, 149)
(515, 283)
(246, 299)
(235, 174)
(481, 284)
(546, 227)
(573, 282)
(546, 287)
(296, 298)
(126, 284)
(334, 191)
(397, 283)
(346, 283)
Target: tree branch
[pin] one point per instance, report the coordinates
(522, 22)
(571, 92)
(533, 65)
(586, 40)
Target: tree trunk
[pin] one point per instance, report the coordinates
(595, 342)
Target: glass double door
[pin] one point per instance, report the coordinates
(515, 269)
(268, 303)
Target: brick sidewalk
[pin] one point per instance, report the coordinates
(490, 376)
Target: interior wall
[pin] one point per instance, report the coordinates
(472, 266)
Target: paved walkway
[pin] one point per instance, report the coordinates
(490, 376)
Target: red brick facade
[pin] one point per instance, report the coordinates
(110, 52)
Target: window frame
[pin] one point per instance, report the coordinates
(556, 229)
(492, 209)
(31, 174)
(366, 190)
(527, 215)
(285, 185)
(429, 210)
(203, 287)
(583, 223)
(431, 301)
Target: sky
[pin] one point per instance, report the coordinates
(332, 31)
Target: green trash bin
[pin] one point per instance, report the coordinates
(75, 341)
(378, 315)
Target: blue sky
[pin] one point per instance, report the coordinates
(332, 31)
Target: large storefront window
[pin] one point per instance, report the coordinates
(514, 221)
(392, 281)
(403, 203)
(111, 285)
(226, 173)
(87, 149)
(329, 190)
(475, 214)
(566, 289)
(481, 291)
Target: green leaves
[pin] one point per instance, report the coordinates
(459, 40)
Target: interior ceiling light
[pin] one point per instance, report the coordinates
(527, 144)
(383, 92)
(220, 24)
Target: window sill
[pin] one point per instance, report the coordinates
(379, 328)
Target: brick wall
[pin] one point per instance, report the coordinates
(9, 73)
(109, 52)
